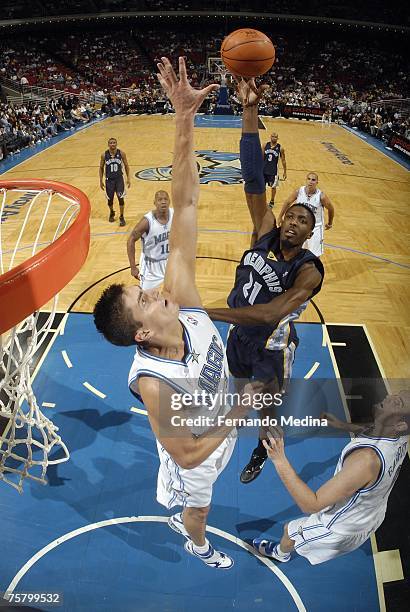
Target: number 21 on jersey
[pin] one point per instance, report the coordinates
(251, 289)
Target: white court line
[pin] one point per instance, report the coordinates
(153, 519)
(94, 390)
(48, 405)
(379, 364)
(312, 370)
(139, 410)
(323, 334)
(63, 323)
(338, 343)
(379, 578)
(66, 359)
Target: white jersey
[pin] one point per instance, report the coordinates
(155, 242)
(313, 201)
(365, 510)
(204, 369)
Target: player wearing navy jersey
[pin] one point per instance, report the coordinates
(347, 509)
(112, 162)
(177, 348)
(272, 151)
(273, 283)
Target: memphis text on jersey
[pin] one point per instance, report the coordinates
(265, 270)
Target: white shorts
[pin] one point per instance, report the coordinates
(315, 244)
(318, 543)
(151, 272)
(191, 488)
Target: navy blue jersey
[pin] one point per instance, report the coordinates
(113, 164)
(261, 276)
(271, 159)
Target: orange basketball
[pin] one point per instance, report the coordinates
(247, 52)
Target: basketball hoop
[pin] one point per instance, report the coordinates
(217, 67)
(33, 213)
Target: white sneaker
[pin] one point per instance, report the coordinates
(212, 558)
(176, 523)
(267, 548)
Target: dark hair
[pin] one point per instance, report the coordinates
(113, 319)
(308, 208)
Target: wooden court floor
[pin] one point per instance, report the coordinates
(366, 256)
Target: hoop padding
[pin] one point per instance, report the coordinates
(27, 287)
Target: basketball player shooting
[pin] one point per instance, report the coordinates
(178, 348)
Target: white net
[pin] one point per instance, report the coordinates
(217, 67)
(29, 441)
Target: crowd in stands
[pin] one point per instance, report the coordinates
(350, 77)
(28, 124)
(367, 10)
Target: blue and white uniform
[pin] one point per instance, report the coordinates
(155, 251)
(345, 526)
(204, 368)
(315, 243)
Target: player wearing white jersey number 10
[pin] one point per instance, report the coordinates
(153, 230)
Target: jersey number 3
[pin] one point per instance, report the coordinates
(251, 289)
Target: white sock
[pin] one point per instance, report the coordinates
(201, 549)
(280, 551)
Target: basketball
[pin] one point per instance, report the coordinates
(247, 52)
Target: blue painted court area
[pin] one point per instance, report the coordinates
(133, 561)
(218, 121)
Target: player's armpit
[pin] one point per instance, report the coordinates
(360, 470)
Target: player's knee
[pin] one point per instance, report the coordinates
(110, 202)
(121, 201)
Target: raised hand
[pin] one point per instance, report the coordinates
(275, 446)
(185, 99)
(248, 93)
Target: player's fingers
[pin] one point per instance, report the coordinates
(169, 70)
(271, 438)
(162, 70)
(207, 90)
(252, 86)
(163, 83)
(266, 445)
(182, 70)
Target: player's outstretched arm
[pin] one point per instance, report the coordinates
(139, 230)
(180, 271)
(251, 154)
(306, 282)
(360, 469)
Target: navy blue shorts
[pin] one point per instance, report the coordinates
(113, 186)
(247, 360)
